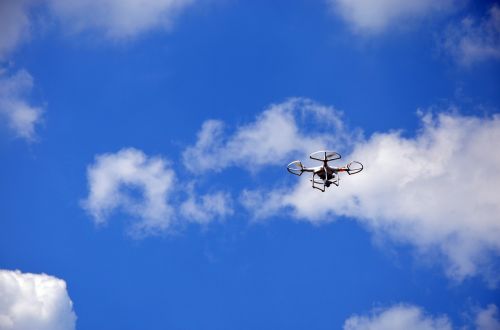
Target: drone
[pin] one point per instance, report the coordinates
(324, 175)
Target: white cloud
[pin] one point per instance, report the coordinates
(117, 19)
(20, 116)
(143, 187)
(264, 204)
(472, 41)
(206, 208)
(274, 137)
(410, 317)
(34, 302)
(368, 16)
(398, 317)
(112, 180)
(14, 24)
(488, 318)
(437, 191)
(15, 110)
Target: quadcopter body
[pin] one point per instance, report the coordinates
(324, 175)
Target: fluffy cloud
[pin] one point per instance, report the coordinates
(472, 41)
(435, 191)
(274, 137)
(112, 179)
(117, 19)
(34, 302)
(398, 317)
(369, 16)
(143, 187)
(14, 24)
(20, 116)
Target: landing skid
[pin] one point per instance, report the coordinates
(321, 184)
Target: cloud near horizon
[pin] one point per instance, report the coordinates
(34, 302)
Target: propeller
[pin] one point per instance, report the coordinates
(354, 167)
(295, 168)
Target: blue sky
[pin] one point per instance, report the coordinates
(144, 150)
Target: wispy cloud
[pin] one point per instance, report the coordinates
(144, 188)
(34, 301)
(273, 137)
(112, 19)
(205, 208)
(373, 17)
(411, 317)
(398, 317)
(117, 19)
(488, 318)
(14, 24)
(474, 40)
(21, 117)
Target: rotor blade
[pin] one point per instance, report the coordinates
(354, 167)
(295, 168)
(325, 155)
